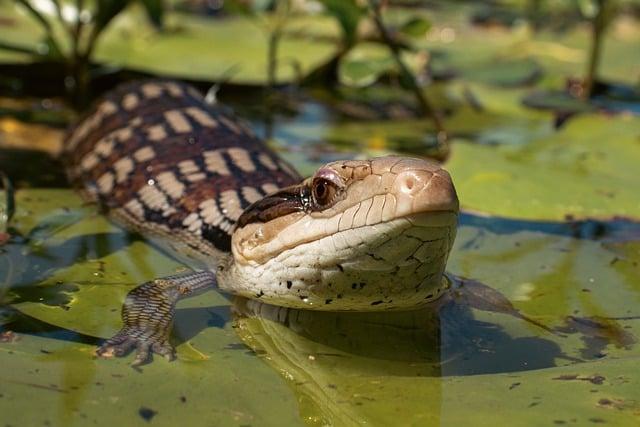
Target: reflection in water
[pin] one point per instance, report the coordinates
(341, 364)
(27, 260)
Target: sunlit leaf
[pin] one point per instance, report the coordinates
(584, 170)
(365, 359)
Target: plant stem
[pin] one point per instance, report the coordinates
(405, 72)
(283, 8)
(534, 12)
(9, 208)
(597, 31)
(272, 58)
(77, 29)
(272, 67)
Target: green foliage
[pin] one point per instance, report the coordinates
(76, 47)
(155, 11)
(348, 14)
(416, 27)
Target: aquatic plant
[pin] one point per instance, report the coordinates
(71, 32)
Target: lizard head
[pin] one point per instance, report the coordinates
(357, 235)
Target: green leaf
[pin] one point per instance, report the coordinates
(364, 64)
(582, 171)
(416, 27)
(507, 73)
(155, 10)
(363, 72)
(349, 14)
(370, 368)
(106, 10)
(589, 8)
(77, 279)
(201, 50)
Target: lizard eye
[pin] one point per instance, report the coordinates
(324, 191)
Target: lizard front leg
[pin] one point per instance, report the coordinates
(148, 313)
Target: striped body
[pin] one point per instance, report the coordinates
(161, 160)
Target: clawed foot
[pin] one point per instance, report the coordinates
(144, 343)
(147, 315)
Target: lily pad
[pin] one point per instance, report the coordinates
(199, 48)
(362, 368)
(227, 385)
(379, 368)
(587, 169)
(75, 269)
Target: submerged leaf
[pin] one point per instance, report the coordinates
(479, 296)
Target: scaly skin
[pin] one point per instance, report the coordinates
(358, 235)
(381, 243)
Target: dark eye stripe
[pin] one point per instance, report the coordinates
(286, 201)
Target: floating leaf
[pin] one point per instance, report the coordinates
(582, 171)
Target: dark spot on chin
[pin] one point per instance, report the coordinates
(376, 302)
(289, 284)
(147, 413)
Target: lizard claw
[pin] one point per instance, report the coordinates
(145, 344)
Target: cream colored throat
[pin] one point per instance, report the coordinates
(396, 264)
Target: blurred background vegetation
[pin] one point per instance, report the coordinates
(534, 105)
(331, 78)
